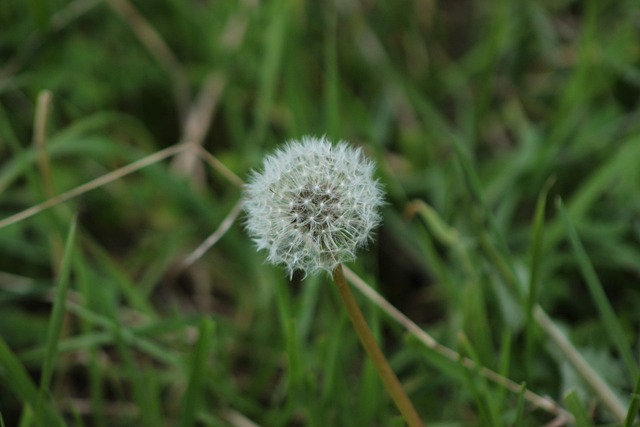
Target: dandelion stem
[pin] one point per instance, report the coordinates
(388, 377)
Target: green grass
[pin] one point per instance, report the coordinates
(479, 114)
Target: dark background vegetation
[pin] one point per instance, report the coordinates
(472, 107)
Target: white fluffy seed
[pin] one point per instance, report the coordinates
(313, 204)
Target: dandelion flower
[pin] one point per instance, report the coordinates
(311, 207)
(313, 204)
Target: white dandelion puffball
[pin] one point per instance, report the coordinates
(313, 205)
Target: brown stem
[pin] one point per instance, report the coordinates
(388, 377)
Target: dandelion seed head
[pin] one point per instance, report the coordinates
(313, 204)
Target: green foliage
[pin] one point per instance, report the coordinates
(477, 113)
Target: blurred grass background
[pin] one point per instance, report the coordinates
(507, 135)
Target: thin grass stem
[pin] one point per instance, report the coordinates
(213, 238)
(96, 183)
(541, 402)
(590, 376)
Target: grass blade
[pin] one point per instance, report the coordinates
(192, 397)
(520, 405)
(596, 290)
(129, 336)
(576, 408)
(332, 84)
(536, 258)
(634, 405)
(144, 392)
(17, 379)
(504, 365)
(497, 250)
(487, 406)
(57, 318)
(275, 37)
